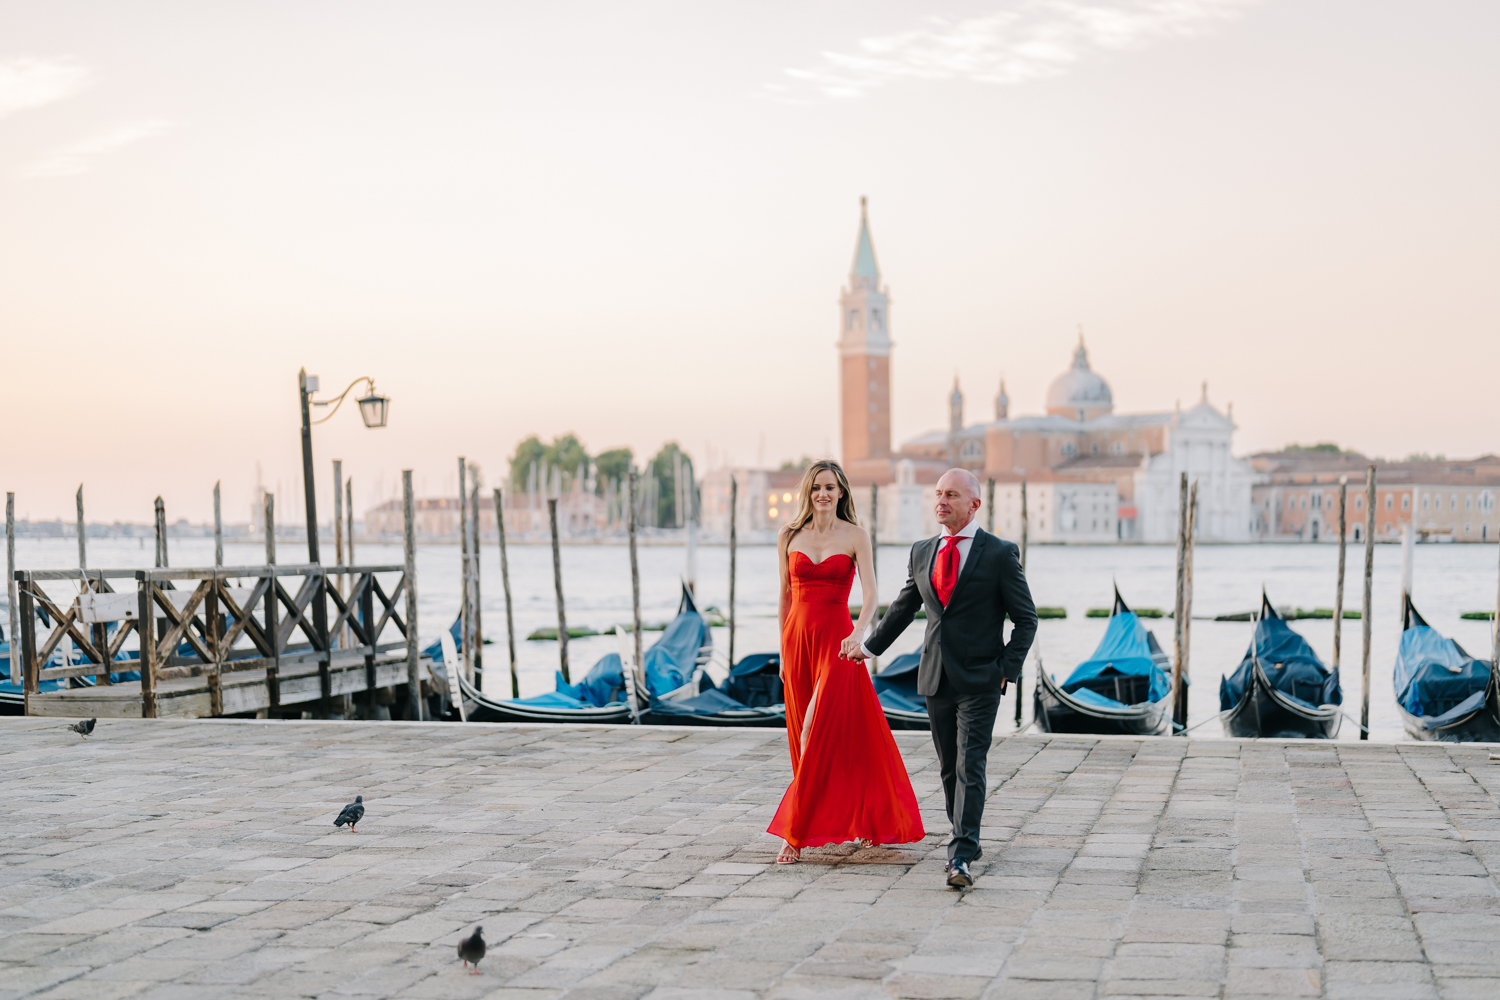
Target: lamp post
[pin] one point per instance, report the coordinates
(373, 409)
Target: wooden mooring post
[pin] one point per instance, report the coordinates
(1338, 592)
(465, 590)
(510, 620)
(635, 579)
(1178, 606)
(562, 613)
(83, 554)
(476, 614)
(273, 669)
(161, 533)
(1025, 532)
(414, 701)
(1367, 606)
(1025, 525)
(734, 503)
(10, 594)
(218, 529)
(1180, 705)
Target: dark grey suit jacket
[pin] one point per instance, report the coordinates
(965, 639)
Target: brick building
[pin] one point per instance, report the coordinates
(1296, 497)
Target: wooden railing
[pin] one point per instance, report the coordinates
(210, 621)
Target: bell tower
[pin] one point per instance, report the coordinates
(865, 364)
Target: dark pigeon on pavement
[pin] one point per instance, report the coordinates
(352, 814)
(471, 950)
(84, 728)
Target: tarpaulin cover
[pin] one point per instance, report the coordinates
(434, 652)
(1125, 651)
(896, 685)
(1436, 680)
(755, 681)
(1300, 676)
(710, 702)
(601, 686)
(670, 662)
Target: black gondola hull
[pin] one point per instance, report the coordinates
(481, 708)
(1264, 712)
(1057, 712)
(1482, 726)
(907, 721)
(750, 720)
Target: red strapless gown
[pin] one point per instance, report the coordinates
(851, 782)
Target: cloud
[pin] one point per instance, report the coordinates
(76, 158)
(1026, 40)
(31, 83)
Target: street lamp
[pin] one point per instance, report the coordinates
(373, 409)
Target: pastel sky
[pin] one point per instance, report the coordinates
(631, 220)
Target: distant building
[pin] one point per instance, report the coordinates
(1100, 475)
(1296, 497)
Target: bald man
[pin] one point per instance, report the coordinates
(969, 581)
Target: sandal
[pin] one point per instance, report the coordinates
(860, 843)
(789, 855)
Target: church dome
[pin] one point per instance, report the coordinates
(1078, 392)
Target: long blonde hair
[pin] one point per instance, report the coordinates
(844, 510)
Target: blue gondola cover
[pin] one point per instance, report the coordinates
(1436, 680)
(1125, 651)
(601, 686)
(1300, 674)
(896, 684)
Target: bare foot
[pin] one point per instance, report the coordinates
(861, 843)
(789, 855)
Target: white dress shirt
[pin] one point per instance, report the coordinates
(965, 536)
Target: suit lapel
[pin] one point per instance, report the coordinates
(924, 573)
(975, 548)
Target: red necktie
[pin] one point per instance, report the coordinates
(945, 569)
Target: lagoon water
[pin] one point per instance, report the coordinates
(1447, 581)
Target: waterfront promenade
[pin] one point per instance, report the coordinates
(197, 859)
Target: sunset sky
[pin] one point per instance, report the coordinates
(631, 221)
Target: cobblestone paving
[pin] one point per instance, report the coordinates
(197, 859)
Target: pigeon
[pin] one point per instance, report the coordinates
(352, 814)
(471, 949)
(84, 728)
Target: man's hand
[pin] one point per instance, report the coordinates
(1004, 683)
(851, 650)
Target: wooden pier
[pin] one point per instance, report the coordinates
(221, 641)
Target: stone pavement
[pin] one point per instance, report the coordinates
(197, 859)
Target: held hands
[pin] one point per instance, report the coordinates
(851, 650)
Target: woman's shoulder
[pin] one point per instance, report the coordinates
(852, 530)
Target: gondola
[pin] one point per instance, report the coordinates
(1443, 693)
(1123, 689)
(896, 686)
(681, 693)
(677, 690)
(1281, 689)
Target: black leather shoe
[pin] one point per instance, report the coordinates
(958, 874)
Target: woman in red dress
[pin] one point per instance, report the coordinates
(849, 782)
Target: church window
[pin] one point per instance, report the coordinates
(1069, 449)
(875, 320)
(1424, 503)
(1453, 501)
(1117, 448)
(853, 318)
(872, 385)
(1359, 501)
(1405, 502)
(1469, 502)
(872, 407)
